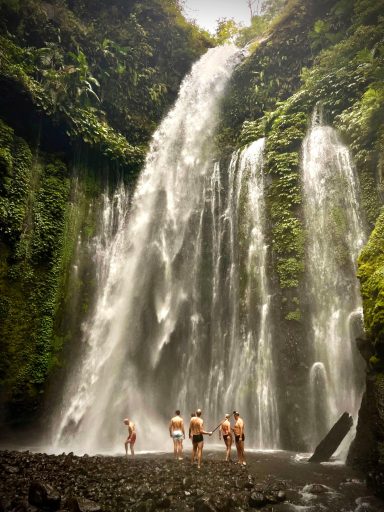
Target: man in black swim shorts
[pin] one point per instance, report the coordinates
(197, 432)
(238, 430)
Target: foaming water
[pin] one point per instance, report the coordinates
(335, 236)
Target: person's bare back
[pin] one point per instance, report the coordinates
(177, 423)
(196, 426)
(177, 433)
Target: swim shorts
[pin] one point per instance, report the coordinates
(132, 439)
(197, 438)
(225, 437)
(177, 435)
(237, 438)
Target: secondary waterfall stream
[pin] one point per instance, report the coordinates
(335, 237)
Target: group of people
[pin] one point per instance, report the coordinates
(196, 433)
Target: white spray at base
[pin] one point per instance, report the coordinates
(335, 236)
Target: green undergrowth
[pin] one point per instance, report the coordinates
(339, 50)
(371, 275)
(34, 255)
(100, 71)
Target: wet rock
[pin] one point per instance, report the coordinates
(281, 496)
(332, 440)
(17, 505)
(316, 488)
(11, 469)
(164, 502)
(221, 502)
(44, 496)
(187, 482)
(83, 505)
(204, 505)
(257, 500)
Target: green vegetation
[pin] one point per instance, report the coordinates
(33, 216)
(330, 54)
(371, 275)
(84, 84)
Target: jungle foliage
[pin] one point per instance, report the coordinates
(330, 55)
(83, 85)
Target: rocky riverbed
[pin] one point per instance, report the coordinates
(271, 481)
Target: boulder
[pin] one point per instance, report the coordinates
(257, 500)
(204, 505)
(83, 505)
(44, 496)
(332, 440)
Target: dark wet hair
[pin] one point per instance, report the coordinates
(178, 412)
(235, 413)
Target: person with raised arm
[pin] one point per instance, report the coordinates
(197, 432)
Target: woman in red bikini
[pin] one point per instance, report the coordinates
(131, 439)
(225, 431)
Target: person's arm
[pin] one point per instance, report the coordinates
(170, 428)
(220, 430)
(182, 428)
(202, 431)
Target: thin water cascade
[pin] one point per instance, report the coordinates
(335, 236)
(252, 375)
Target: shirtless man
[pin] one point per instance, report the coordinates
(193, 414)
(177, 433)
(197, 433)
(238, 430)
(131, 439)
(225, 431)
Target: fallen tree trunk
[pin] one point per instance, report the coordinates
(332, 440)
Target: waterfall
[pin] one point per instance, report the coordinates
(183, 302)
(335, 236)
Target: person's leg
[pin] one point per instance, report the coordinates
(126, 447)
(174, 448)
(194, 450)
(242, 453)
(180, 448)
(199, 453)
(238, 449)
(229, 445)
(132, 449)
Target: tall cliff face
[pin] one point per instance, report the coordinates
(83, 85)
(329, 55)
(367, 451)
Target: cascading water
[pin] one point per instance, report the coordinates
(181, 316)
(335, 236)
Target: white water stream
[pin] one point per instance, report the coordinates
(335, 237)
(176, 323)
(182, 315)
